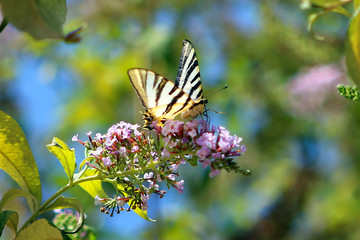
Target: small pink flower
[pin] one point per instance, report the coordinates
(171, 177)
(148, 175)
(180, 186)
(144, 199)
(106, 161)
(172, 127)
(214, 172)
(97, 152)
(99, 136)
(98, 200)
(215, 155)
(243, 148)
(122, 151)
(203, 153)
(206, 163)
(165, 153)
(75, 138)
(110, 142)
(207, 139)
(174, 166)
(135, 148)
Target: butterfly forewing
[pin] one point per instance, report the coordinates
(162, 99)
(188, 77)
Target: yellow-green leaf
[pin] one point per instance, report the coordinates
(329, 3)
(352, 48)
(15, 193)
(93, 187)
(40, 18)
(10, 219)
(40, 230)
(356, 4)
(65, 155)
(63, 202)
(16, 158)
(311, 21)
(84, 161)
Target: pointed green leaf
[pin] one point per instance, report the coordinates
(352, 48)
(63, 202)
(65, 155)
(92, 187)
(40, 230)
(137, 210)
(15, 193)
(40, 18)
(16, 158)
(10, 219)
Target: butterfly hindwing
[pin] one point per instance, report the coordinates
(188, 77)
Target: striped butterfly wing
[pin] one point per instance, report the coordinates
(188, 77)
(161, 98)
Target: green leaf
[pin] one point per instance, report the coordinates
(352, 49)
(137, 210)
(65, 155)
(63, 202)
(92, 187)
(15, 193)
(3, 24)
(16, 158)
(356, 4)
(40, 18)
(40, 230)
(329, 3)
(315, 16)
(10, 219)
(88, 159)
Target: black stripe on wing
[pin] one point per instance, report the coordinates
(188, 77)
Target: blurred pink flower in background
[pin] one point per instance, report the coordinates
(314, 87)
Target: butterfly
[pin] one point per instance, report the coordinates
(164, 100)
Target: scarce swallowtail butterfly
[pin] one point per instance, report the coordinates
(164, 100)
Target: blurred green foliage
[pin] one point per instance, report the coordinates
(302, 138)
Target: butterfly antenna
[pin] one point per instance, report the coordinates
(217, 90)
(216, 111)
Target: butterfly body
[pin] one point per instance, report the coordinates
(164, 99)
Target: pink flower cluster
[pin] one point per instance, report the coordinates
(313, 87)
(212, 146)
(140, 161)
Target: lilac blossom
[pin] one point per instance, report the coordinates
(128, 155)
(312, 87)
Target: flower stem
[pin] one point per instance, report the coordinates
(74, 183)
(57, 194)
